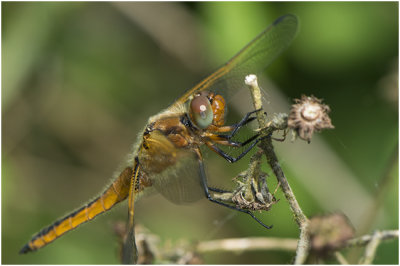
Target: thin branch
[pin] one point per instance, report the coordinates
(288, 244)
(266, 145)
(303, 246)
(370, 249)
(248, 244)
(364, 240)
(340, 258)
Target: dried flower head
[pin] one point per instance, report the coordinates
(307, 115)
(252, 192)
(330, 232)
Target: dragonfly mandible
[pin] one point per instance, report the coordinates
(167, 155)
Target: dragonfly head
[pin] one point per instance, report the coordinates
(200, 110)
(207, 109)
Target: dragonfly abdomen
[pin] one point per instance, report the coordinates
(115, 193)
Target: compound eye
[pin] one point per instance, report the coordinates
(201, 112)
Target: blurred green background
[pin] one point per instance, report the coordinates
(79, 81)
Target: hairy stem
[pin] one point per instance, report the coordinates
(303, 245)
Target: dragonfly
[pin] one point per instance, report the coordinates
(167, 156)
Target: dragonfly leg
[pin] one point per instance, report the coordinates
(218, 190)
(232, 129)
(229, 158)
(210, 198)
(245, 120)
(228, 142)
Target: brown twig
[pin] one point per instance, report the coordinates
(288, 244)
(340, 258)
(364, 240)
(248, 244)
(266, 145)
(370, 249)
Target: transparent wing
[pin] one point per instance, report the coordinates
(181, 182)
(129, 249)
(253, 58)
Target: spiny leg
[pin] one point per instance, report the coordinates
(225, 140)
(283, 136)
(210, 198)
(245, 120)
(218, 190)
(233, 129)
(229, 158)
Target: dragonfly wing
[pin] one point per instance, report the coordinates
(181, 183)
(129, 249)
(253, 58)
(172, 170)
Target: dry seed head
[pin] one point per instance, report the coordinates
(307, 115)
(329, 232)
